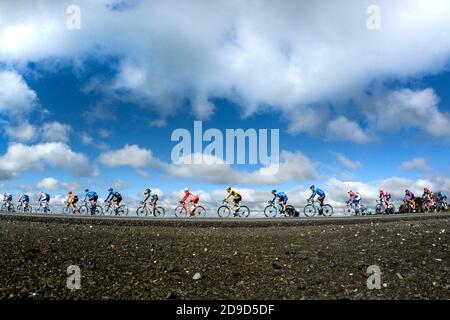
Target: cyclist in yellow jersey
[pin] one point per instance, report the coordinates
(236, 197)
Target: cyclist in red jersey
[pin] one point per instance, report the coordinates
(193, 199)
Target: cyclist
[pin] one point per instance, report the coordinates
(193, 200)
(385, 197)
(236, 198)
(44, 199)
(428, 197)
(92, 198)
(321, 196)
(7, 199)
(115, 197)
(442, 197)
(71, 201)
(282, 199)
(153, 198)
(410, 199)
(354, 199)
(24, 200)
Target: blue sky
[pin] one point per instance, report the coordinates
(96, 106)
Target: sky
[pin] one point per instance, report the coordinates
(91, 92)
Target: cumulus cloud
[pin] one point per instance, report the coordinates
(24, 132)
(16, 97)
(52, 184)
(293, 166)
(415, 164)
(406, 109)
(346, 162)
(343, 129)
(287, 54)
(56, 132)
(20, 157)
(129, 155)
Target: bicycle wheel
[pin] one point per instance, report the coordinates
(270, 211)
(98, 210)
(142, 211)
(349, 211)
(379, 209)
(244, 211)
(223, 211)
(84, 210)
(200, 211)
(19, 208)
(28, 209)
(309, 210)
(3, 207)
(122, 211)
(327, 210)
(180, 212)
(160, 212)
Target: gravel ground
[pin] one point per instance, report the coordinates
(327, 261)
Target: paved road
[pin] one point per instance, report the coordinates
(111, 220)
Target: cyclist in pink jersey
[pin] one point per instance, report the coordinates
(193, 199)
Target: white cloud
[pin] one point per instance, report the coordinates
(292, 167)
(406, 109)
(16, 97)
(158, 123)
(286, 54)
(346, 162)
(51, 184)
(416, 163)
(20, 157)
(129, 155)
(24, 132)
(343, 129)
(56, 132)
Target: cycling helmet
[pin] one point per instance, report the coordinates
(426, 189)
(381, 191)
(312, 187)
(110, 189)
(86, 190)
(406, 191)
(147, 191)
(228, 188)
(274, 191)
(186, 190)
(70, 192)
(351, 193)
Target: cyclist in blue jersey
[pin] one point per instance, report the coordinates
(282, 198)
(44, 200)
(24, 200)
(321, 196)
(7, 199)
(91, 197)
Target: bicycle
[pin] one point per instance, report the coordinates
(225, 210)
(43, 208)
(68, 209)
(350, 209)
(7, 207)
(182, 210)
(25, 209)
(273, 209)
(94, 210)
(311, 209)
(121, 210)
(442, 205)
(381, 208)
(147, 208)
(427, 208)
(406, 207)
